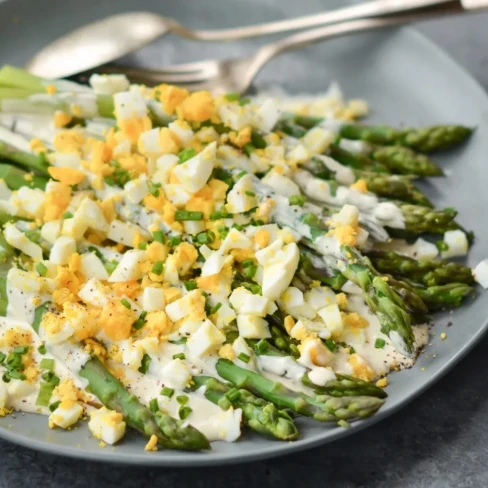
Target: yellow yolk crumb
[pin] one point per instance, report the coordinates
(341, 300)
(134, 127)
(185, 256)
(168, 141)
(227, 352)
(289, 323)
(345, 234)
(108, 208)
(67, 392)
(135, 164)
(152, 445)
(56, 200)
(219, 189)
(198, 107)
(242, 254)
(66, 176)
(261, 238)
(157, 324)
(360, 186)
(361, 369)
(94, 347)
(171, 97)
(172, 294)
(241, 138)
(51, 89)
(37, 146)
(68, 141)
(157, 252)
(114, 353)
(61, 119)
(443, 335)
(382, 383)
(63, 295)
(354, 320)
(117, 320)
(130, 288)
(5, 411)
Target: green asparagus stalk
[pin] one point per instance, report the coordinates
(171, 433)
(425, 272)
(260, 415)
(425, 139)
(15, 178)
(380, 297)
(29, 161)
(342, 386)
(322, 407)
(387, 186)
(357, 161)
(405, 161)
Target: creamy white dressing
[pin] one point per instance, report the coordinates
(343, 174)
(356, 147)
(282, 366)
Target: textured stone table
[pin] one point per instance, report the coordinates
(439, 441)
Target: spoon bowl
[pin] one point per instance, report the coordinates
(98, 43)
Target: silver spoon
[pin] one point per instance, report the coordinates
(106, 40)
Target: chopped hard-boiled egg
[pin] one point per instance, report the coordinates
(108, 84)
(252, 327)
(176, 374)
(480, 273)
(92, 267)
(20, 241)
(242, 196)
(331, 315)
(107, 425)
(245, 302)
(153, 299)
(206, 339)
(456, 242)
(194, 173)
(65, 417)
(129, 267)
(62, 250)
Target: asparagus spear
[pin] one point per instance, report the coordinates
(342, 386)
(16, 178)
(322, 407)
(357, 161)
(259, 415)
(425, 272)
(405, 161)
(30, 161)
(417, 219)
(171, 433)
(388, 186)
(382, 300)
(425, 139)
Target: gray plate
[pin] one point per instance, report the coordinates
(406, 79)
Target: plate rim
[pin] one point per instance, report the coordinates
(272, 450)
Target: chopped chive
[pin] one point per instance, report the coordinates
(2, 357)
(157, 267)
(207, 237)
(182, 399)
(153, 405)
(20, 349)
(219, 214)
(142, 246)
(442, 246)
(181, 341)
(247, 262)
(183, 215)
(168, 392)
(232, 97)
(258, 140)
(45, 394)
(224, 403)
(249, 149)
(233, 394)
(297, 200)
(250, 193)
(180, 355)
(146, 361)
(141, 321)
(153, 188)
(215, 308)
(47, 363)
(41, 268)
(379, 343)
(6, 377)
(158, 236)
(67, 215)
(174, 241)
(223, 231)
(183, 412)
(51, 378)
(186, 154)
(251, 271)
(245, 358)
(41, 349)
(331, 345)
(125, 303)
(54, 406)
(17, 375)
(244, 101)
(190, 285)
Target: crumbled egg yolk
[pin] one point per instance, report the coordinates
(62, 119)
(66, 176)
(116, 320)
(360, 186)
(152, 444)
(227, 352)
(360, 368)
(171, 97)
(197, 107)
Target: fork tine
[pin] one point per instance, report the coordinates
(196, 67)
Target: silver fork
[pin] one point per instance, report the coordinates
(236, 75)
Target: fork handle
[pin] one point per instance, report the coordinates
(305, 38)
(375, 8)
